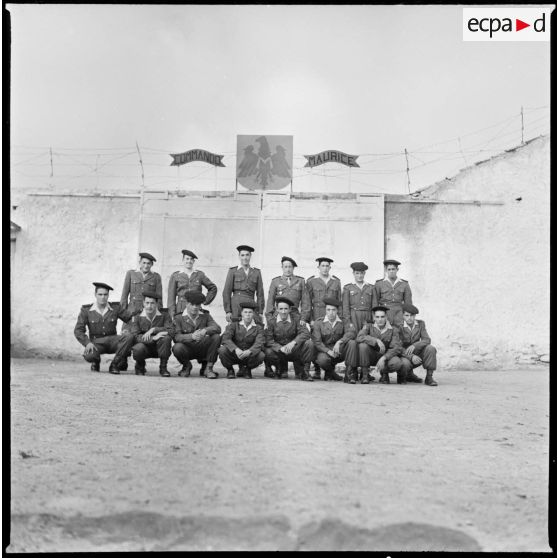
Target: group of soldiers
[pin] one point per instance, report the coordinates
(307, 322)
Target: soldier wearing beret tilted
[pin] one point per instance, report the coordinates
(101, 319)
(196, 335)
(393, 292)
(186, 280)
(287, 339)
(151, 330)
(243, 343)
(243, 284)
(379, 344)
(334, 342)
(417, 348)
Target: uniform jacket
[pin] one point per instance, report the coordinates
(142, 324)
(389, 337)
(184, 326)
(418, 336)
(279, 333)
(180, 284)
(247, 284)
(388, 294)
(355, 298)
(135, 284)
(296, 292)
(236, 336)
(99, 326)
(318, 290)
(325, 336)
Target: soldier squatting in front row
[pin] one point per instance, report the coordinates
(316, 320)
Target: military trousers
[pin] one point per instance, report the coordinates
(120, 345)
(161, 348)
(359, 318)
(349, 354)
(428, 356)
(203, 350)
(395, 313)
(300, 355)
(228, 358)
(369, 356)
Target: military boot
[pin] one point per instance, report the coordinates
(305, 375)
(429, 380)
(210, 373)
(96, 366)
(247, 373)
(384, 378)
(123, 365)
(139, 369)
(163, 368)
(113, 368)
(184, 372)
(333, 376)
(284, 371)
(230, 374)
(268, 372)
(401, 376)
(365, 378)
(352, 373)
(203, 367)
(317, 372)
(412, 377)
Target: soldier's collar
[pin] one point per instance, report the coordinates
(386, 327)
(184, 270)
(397, 280)
(146, 273)
(405, 324)
(144, 314)
(247, 327)
(364, 283)
(287, 320)
(337, 319)
(97, 309)
(185, 313)
(249, 269)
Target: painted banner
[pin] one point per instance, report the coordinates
(331, 156)
(196, 155)
(264, 162)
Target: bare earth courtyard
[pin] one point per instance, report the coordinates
(102, 462)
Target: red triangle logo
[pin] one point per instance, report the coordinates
(519, 25)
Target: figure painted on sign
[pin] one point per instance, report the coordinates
(249, 163)
(280, 166)
(263, 175)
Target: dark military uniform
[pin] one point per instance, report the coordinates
(358, 303)
(325, 335)
(135, 284)
(368, 351)
(180, 284)
(237, 336)
(318, 289)
(280, 333)
(161, 348)
(293, 288)
(419, 338)
(102, 332)
(185, 347)
(393, 296)
(241, 287)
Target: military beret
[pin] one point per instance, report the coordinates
(103, 285)
(411, 308)
(324, 259)
(195, 297)
(391, 262)
(147, 256)
(287, 259)
(245, 247)
(329, 300)
(382, 308)
(248, 304)
(284, 299)
(151, 294)
(189, 253)
(359, 266)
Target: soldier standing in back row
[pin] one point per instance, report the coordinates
(292, 287)
(358, 298)
(182, 282)
(243, 283)
(320, 287)
(393, 292)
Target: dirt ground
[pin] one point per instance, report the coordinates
(102, 462)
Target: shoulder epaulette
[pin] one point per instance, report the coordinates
(175, 272)
(233, 267)
(87, 305)
(256, 268)
(204, 311)
(320, 319)
(300, 277)
(347, 285)
(335, 277)
(278, 277)
(404, 280)
(311, 277)
(378, 280)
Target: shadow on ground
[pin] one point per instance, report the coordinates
(153, 531)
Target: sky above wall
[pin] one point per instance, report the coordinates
(89, 81)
